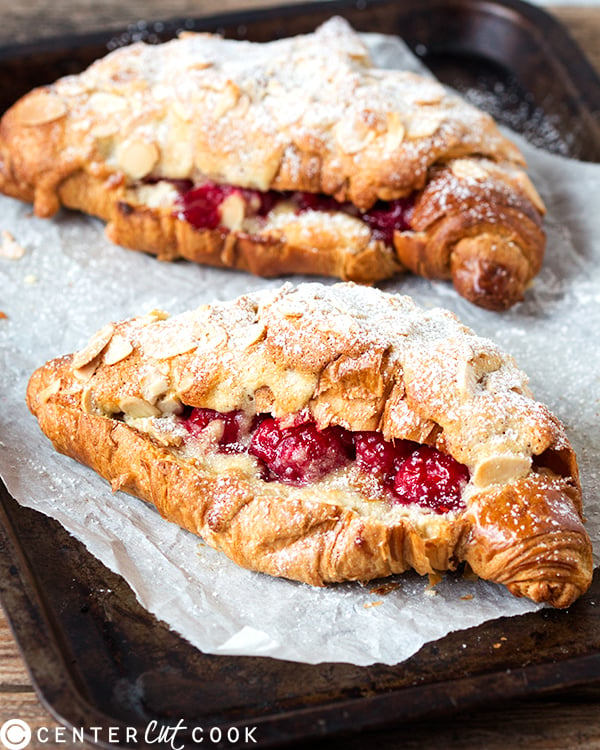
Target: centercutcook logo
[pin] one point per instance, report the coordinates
(16, 734)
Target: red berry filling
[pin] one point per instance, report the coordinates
(201, 207)
(431, 479)
(300, 453)
(415, 473)
(229, 433)
(378, 456)
(316, 202)
(384, 218)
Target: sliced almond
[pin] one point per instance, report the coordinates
(164, 347)
(169, 405)
(50, 390)
(242, 106)
(395, 131)
(159, 195)
(466, 380)
(110, 107)
(501, 468)
(138, 158)
(430, 92)
(253, 334)
(155, 384)
(354, 136)
(118, 348)
(213, 336)
(105, 129)
(41, 107)
(137, 408)
(106, 103)
(228, 99)
(468, 169)
(83, 374)
(424, 124)
(97, 343)
(470, 373)
(177, 148)
(87, 401)
(233, 211)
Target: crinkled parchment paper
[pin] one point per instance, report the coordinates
(71, 281)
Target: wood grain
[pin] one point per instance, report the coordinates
(566, 720)
(583, 25)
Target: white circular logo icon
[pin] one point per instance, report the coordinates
(15, 734)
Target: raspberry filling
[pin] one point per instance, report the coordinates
(228, 430)
(299, 453)
(201, 207)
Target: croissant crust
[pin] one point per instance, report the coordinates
(309, 113)
(346, 355)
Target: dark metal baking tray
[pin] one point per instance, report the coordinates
(100, 660)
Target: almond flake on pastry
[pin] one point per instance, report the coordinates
(329, 433)
(306, 115)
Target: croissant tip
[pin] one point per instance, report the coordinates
(558, 594)
(487, 284)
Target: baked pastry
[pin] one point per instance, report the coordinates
(294, 156)
(328, 433)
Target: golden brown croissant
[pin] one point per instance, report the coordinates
(329, 433)
(295, 156)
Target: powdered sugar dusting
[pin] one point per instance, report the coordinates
(174, 110)
(286, 340)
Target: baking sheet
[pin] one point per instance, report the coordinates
(564, 289)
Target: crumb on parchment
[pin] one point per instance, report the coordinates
(9, 247)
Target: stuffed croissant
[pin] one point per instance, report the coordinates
(293, 156)
(329, 433)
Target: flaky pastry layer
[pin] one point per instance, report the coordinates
(346, 355)
(308, 113)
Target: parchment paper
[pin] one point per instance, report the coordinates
(71, 281)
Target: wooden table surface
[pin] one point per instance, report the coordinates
(562, 722)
